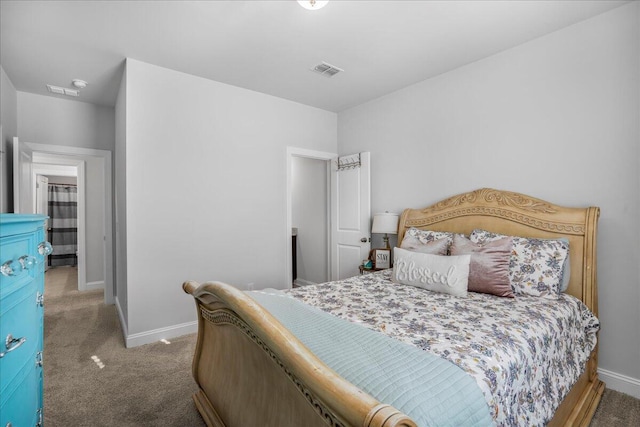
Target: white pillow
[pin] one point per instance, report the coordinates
(444, 274)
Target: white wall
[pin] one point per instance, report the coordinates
(205, 189)
(309, 214)
(55, 121)
(63, 180)
(556, 118)
(95, 217)
(9, 125)
(59, 121)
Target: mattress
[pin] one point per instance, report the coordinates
(524, 353)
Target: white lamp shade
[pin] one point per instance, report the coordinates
(385, 223)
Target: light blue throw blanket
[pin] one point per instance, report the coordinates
(429, 389)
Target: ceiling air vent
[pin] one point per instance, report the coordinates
(63, 90)
(326, 70)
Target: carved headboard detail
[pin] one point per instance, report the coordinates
(517, 214)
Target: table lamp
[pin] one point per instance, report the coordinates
(386, 223)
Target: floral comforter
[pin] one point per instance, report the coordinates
(525, 353)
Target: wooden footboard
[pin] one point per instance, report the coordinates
(252, 371)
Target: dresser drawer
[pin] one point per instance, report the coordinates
(12, 248)
(22, 318)
(21, 405)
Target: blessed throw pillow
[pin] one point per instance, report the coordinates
(536, 265)
(489, 266)
(444, 274)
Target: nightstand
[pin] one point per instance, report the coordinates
(370, 270)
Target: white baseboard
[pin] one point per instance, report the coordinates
(148, 337)
(621, 383)
(302, 282)
(154, 335)
(95, 285)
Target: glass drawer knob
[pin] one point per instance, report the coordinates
(45, 248)
(11, 268)
(27, 262)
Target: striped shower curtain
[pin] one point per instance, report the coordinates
(63, 214)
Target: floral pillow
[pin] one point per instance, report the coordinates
(426, 236)
(536, 265)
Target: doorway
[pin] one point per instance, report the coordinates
(65, 170)
(95, 236)
(348, 208)
(57, 196)
(310, 219)
(308, 164)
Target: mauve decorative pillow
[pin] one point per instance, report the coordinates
(489, 265)
(435, 247)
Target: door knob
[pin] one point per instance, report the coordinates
(363, 240)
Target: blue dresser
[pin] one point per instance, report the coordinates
(23, 251)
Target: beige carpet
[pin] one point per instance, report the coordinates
(617, 409)
(150, 385)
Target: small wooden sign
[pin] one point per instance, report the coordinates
(381, 258)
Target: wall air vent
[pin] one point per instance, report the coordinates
(326, 70)
(63, 90)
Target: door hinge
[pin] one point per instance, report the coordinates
(39, 360)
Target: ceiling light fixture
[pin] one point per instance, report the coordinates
(79, 84)
(313, 4)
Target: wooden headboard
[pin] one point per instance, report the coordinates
(516, 214)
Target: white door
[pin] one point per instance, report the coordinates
(23, 197)
(42, 205)
(350, 214)
(42, 195)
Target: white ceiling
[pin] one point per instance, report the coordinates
(269, 46)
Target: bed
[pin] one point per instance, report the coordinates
(252, 370)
